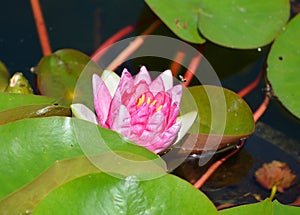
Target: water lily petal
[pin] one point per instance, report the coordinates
(83, 112)
(143, 75)
(141, 88)
(121, 121)
(156, 122)
(173, 113)
(167, 139)
(102, 99)
(167, 78)
(176, 93)
(111, 80)
(187, 121)
(157, 85)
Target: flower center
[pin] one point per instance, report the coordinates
(150, 101)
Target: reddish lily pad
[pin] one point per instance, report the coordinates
(223, 116)
(276, 174)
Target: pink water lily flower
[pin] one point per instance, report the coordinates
(142, 110)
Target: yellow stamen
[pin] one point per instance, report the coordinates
(154, 102)
(141, 100)
(148, 101)
(159, 108)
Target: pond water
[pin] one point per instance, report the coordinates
(85, 24)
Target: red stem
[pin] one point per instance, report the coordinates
(192, 69)
(215, 166)
(41, 27)
(250, 87)
(176, 64)
(116, 37)
(133, 46)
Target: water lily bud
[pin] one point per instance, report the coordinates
(19, 84)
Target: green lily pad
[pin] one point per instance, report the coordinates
(223, 115)
(283, 66)
(264, 207)
(242, 24)
(101, 193)
(4, 77)
(180, 16)
(12, 100)
(30, 146)
(57, 74)
(285, 209)
(58, 174)
(33, 111)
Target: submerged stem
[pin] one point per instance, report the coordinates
(273, 192)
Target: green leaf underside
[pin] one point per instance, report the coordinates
(30, 146)
(57, 74)
(239, 118)
(181, 18)
(12, 100)
(101, 193)
(242, 24)
(283, 66)
(32, 111)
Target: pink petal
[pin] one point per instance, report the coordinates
(139, 119)
(143, 75)
(173, 114)
(167, 139)
(176, 93)
(167, 78)
(102, 99)
(157, 85)
(156, 122)
(121, 121)
(140, 88)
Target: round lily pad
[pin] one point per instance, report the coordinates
(242, 24)
(284, 66)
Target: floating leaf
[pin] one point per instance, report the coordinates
(242, 24)
(57, 74)
(12, 100)
(182, 18)
(276, 174)
(30, 146)
(280, 209)
(19, 84)
(27, 197)
(264, 207)
(101, 193)
(32, 111)
(4, 76)
(223, 115)
(284, 64)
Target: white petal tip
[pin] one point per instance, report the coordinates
(187, 121)
(83, 112)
